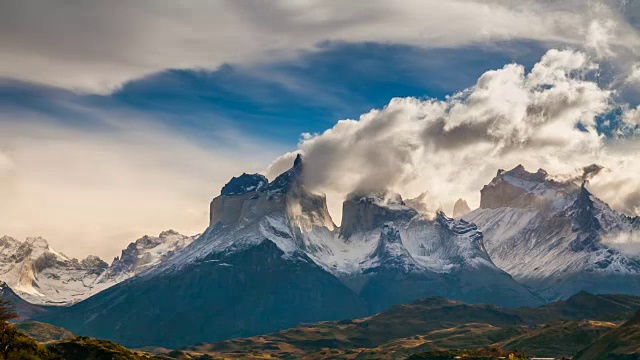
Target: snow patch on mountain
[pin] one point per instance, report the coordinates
(389, 252)
(144, 254)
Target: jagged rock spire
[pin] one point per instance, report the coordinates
(297, 163)
(461, 208)
(584, 216)
(283, 182)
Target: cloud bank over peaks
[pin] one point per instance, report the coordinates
(545, 118)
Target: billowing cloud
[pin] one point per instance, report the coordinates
(97, 46)
(92, 191)
(545, 118)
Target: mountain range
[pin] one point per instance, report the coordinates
(272, 258)
(43, 276)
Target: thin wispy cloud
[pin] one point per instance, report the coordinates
(96, 47)
(92, 191)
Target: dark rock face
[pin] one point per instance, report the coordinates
(250, 196)
(460, 208)
(365, 213)
(393, 287)
(223, 296)
(93, 262)
(49, 260)
(284, 181)
(585, 222)
(24, 309)
(243, 184)
(501, 192)
(584, 217)
(126, 261)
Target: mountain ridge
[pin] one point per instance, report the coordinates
(43, 276)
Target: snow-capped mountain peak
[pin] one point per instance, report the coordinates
(37, 242)
(41, 275)
(145, 253)
(556, 230)
(518, 188)
(243, 184)
(292, 177)
(389, 252)
(251, 209)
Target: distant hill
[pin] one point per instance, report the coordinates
(42, 332)
(561, 328)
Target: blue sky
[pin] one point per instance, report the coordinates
(281, 100)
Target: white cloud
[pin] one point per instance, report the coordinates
(97, 46)
(452, 148)
(92, 191)
(632, 116)
(634, 74)
(628, 243)
(599, 37)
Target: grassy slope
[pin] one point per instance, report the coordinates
(84, 348)
(42, 332)
(622, 343)
(437, 323)
(558, 339)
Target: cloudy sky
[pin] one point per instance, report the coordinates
(120, 118)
